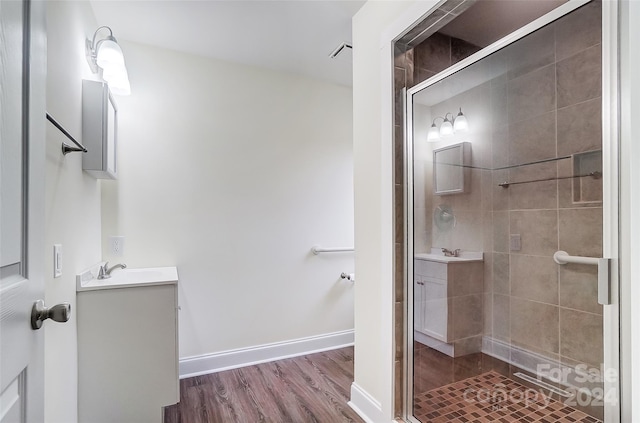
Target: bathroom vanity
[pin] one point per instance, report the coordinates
(127, 345)
(448, 302)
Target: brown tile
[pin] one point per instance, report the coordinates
(499, 107)
(535, 325)
(534, 278)
(399, 280)
(580, 231)
(501, 232)
(500, 145)
(532, 52)
(534, 195)
(499, 194)
(580, 127)
(467, 316)
(399, 78)
(488, 271)
(461, 49)
(398, 156)
(581, 336)
(501, 317)
(532, 139)
(501, 274)
(488, 314)
(579, 288)
(420, 75)
(399, 213)
(538, 230)
(579, 30)
(465, 278)
(399, 330)
(580, 77)
(532, 94)
(433, 54)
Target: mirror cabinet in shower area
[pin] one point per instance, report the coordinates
(504, 167)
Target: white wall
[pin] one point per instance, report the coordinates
(373, 211)
(232, 173)
(72, 200)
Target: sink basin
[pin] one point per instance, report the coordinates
(438, 256)
(122, 278)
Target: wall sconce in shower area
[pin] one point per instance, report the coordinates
(107, 55)
(448, 126)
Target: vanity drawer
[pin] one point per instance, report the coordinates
(430, 269)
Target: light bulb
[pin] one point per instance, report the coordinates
(460, 123)
(433, 135)
(446, 129)
(109, 53)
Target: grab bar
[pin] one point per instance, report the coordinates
(604, 272)
(316, 249)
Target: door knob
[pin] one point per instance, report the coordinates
(40, 313)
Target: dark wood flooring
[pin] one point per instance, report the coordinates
(310, 388)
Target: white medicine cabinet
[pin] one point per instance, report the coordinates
(99, 130)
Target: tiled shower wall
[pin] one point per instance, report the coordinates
(412, 66)
(546, 105)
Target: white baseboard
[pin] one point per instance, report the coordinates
(232, 359)
(365, 405)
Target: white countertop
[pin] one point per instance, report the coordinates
(437, 256)
(126, 278)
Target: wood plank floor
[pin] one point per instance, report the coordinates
(310, 388)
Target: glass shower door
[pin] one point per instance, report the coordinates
(506, 172)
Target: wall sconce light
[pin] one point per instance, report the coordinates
(107, 55)
(448, 126)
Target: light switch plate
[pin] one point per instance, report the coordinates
(116, 246)
(57, 260)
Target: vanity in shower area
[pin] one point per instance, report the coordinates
(448, 301)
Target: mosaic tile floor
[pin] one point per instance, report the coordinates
(491, 397)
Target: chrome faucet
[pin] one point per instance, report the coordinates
(449, 253)
(105, 270)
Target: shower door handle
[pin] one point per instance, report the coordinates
(604, 272)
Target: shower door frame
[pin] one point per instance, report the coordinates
(610, 195)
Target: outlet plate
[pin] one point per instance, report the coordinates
(116, 246)
(515, 242)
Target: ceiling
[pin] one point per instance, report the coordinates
(294, 36)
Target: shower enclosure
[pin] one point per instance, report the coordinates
(507, 292)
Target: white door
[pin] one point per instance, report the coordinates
(22, 119)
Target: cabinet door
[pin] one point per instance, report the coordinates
(435, 309)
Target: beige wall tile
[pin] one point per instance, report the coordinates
(581, 336)
(488, 272)
(467, 316)
(501, 274)
(501, 232)
(580, 77)
(532, 94)
(538, 230)
(578, 30)
(501, 317)
(488, 314)
(535, 325)
(465, 278)
(579, 288)
(534, 278)
(487, 235)
(581, 231)
(499, 109)
(533, 195)
(580, 127)
(472, 199)
(500, 195)
(532, 52)
(533, 139)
